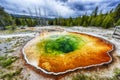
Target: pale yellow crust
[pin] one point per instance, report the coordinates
(92, 53)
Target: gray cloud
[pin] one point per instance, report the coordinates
(62, 0)
(64, 8)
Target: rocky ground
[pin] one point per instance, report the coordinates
(17, 69)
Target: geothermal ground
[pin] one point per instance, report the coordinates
(11, 44)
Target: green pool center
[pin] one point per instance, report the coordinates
(60, 44)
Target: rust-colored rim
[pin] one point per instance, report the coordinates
(70, 70)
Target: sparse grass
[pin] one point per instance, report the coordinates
(6, 31)
(117, 71)
(17, 44)
(80, 77)
(15, 31)
(9, 71)
(6, 72)
(7, 60)
(8, 40)
(5, 47)
(10, 75)
(27, 31)
(86, 77)
(116, 74)
(9, 51)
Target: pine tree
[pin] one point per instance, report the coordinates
(78, 21)
(99, 20)
(92, 23)
(89, 20)
(4, 18)
(117, 13)
(70, 21)
(108, 22)
(118, 23)
(17, 21)
(62, 22)
(94, 13)
(55, 21)
(85, 24)
(23, 22)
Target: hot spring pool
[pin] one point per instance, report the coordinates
(61, 52)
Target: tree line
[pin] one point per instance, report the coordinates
(107, 20)
(98, 19)
(9, 21)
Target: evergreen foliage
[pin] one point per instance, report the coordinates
(118, 23)
(107, 20)
(117, 13)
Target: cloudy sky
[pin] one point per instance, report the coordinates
(64, 8)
